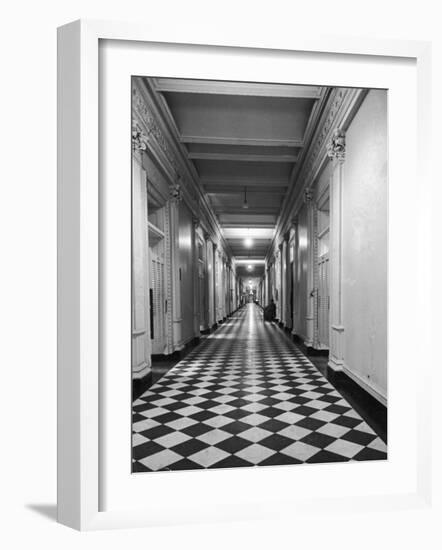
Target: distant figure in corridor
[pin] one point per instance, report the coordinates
(270, 311)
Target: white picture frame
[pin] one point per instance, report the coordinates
(81, 394)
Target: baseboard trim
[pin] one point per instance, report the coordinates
(140, 385)
(142, 372)
(317, 351)
(364, 385)
(334, 366)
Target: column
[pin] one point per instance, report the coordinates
(281, 293)
(267, 289)
(141, 342)
(287, 280)
(174, 319)
(311, 289)
(209, 281)
(336, 152)
(224, 288)
(215, 286)
(229, 288)
(295, 277)
(195, 277)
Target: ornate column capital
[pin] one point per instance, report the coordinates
(175, 191)
(336, 146)
(139, 138)
(206, 236)
(196, 222)
(308, 195)
(287, 236)
(294, 222)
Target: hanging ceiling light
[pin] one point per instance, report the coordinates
(245, 204)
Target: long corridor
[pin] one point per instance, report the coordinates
(246, 396)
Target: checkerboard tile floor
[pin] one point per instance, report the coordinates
(246, 397)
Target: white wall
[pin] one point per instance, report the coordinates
(365, 243)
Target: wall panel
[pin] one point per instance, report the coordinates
(365, 243)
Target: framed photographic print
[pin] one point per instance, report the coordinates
(233, 228)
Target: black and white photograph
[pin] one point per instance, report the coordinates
(259, 274)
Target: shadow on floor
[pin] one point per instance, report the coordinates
(49, 511)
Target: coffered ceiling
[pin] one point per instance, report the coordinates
(243, 142)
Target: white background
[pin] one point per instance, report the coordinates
(28, 293)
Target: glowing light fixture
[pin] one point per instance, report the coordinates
(248, 242)
(249, 268)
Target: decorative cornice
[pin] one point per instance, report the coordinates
(336, 145)
(148, 113)
(324, 130)
(140, 109)
(342, 104)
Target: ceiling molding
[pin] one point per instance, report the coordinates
(255, 89)
(243, 158)
(258, 142)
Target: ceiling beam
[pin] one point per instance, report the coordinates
(238, 241)
(235, 189)
(254, 248)
(250, 210)
(243, 258)
(265, 183)
(242, 225)
(236, 88)
(259, 142)
(244, 158)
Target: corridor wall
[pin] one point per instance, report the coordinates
(365, 204)
(172, 222)
(336, 224)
